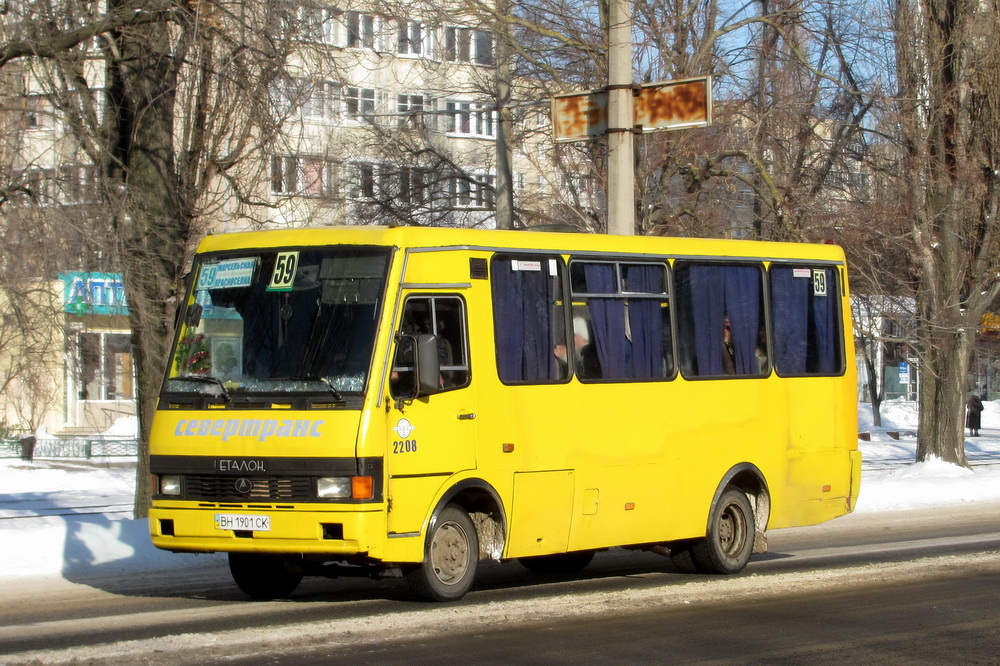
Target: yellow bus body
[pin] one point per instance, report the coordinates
(558, 467)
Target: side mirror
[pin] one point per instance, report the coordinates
(428, 365)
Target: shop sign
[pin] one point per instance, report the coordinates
(93, 293)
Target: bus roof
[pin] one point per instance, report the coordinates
(441, 237)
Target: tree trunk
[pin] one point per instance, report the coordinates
(942, 399)
(153, 231)
(875, 383)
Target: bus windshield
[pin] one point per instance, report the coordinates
(281, 322)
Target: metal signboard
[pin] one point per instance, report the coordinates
(580, 116)
(674, 105)
(668, 105)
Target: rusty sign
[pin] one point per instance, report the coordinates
(579, 116)
(674, 105)
(660, 106)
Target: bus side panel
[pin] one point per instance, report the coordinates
(543, 504)
(623, 504)
(821, 441)
(411, 502)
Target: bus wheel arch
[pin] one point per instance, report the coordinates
(484, 506)
(748, 479)
(737, 520)
(451, 555)
(467, 525)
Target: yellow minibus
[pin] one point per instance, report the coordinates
(410, 401)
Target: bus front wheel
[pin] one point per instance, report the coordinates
(263, 577)
(450, 558)
(727, 547)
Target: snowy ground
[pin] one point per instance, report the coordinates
(71, 518)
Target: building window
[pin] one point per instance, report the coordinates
(303, 175)
(309, 98)
(363, 180)
(319, 98)
(359, 104)
(78, 183)
(470, 119)
(468, 45)
(106, 369)
(314, 24)
(413, 185)
(410, 109)
(475, 191)
(410, 38)
(39, 113)
(360, 30)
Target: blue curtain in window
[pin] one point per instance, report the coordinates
(645, 321)
(790, 305)
(824, 323)
(607, 317)
(523, 321)
(742, 295)
(717, 293)
(708, 312)
(508, 317)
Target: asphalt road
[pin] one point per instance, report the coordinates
(918, 586)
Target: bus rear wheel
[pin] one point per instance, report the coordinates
(450, 558)
(727, 547)
(558, 563)
(263, 577)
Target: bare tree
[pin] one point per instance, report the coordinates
(166, 100)
(949, 129)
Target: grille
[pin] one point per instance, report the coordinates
(265, 488)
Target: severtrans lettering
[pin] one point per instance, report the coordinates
(261, 429)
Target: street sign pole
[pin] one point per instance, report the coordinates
(621, 145)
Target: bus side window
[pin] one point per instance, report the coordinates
(805, 302)
(528, 314)
(721, 319)
(443, 317)
(626, 307)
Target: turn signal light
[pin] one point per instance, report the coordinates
(362, 487)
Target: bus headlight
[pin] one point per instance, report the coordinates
(170, 484)
(345, 487)
(330, 487)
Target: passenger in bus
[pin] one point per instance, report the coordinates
(728, 354)
(584, 353)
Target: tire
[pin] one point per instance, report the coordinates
(727, 547)
(263, 577)
(450, 558)
(559, 563)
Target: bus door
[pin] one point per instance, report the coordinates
(432, 436)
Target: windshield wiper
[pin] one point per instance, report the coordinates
(322, 380)
(201, 379)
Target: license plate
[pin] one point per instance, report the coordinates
(242, 522)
